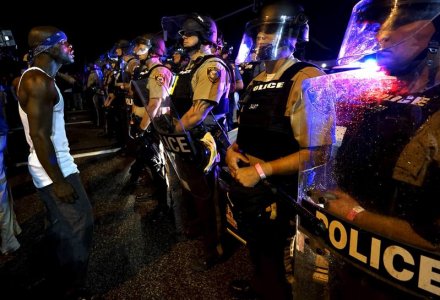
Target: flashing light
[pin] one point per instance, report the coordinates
(370, 64)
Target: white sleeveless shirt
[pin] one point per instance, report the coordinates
(59, 141)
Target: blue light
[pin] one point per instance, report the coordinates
(370, 64)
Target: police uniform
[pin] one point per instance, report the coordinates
(271, 126)
(209, 80)
(156, 82)
(152, 83)
(159, 81)
(206, 78)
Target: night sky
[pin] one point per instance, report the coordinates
(93, 30)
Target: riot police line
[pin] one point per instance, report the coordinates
(402, 264)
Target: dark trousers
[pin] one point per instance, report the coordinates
(69, 235)
(267, 255)
(206, 202)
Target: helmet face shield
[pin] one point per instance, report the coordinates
(176, 27)
(142, 49)
(372, 21)
(268, 40)
(172, 25)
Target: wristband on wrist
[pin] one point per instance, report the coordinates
(354, 212)
(260, 171)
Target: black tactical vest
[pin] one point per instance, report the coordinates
(182, 97)
(264, 131)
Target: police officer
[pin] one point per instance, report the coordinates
(269, 143)
(117, 90)
(150, 87)
(199, 106)
(179, 60)
(387, 167)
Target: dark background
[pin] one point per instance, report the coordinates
(94, 27)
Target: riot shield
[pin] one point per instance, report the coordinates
(381, 228)
(192, 153)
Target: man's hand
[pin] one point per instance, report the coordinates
(233, 157)
(247, 176)
(341, 205)
(109, 100)
(65, 192)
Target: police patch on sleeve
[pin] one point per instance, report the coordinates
(160, 79)
(213, 74)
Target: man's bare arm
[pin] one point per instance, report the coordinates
(37, 100)
(195, 115)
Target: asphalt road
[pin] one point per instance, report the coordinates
(134, 256)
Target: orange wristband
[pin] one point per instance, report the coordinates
(354, 212)
(260, 171)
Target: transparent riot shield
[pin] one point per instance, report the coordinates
(380, 237)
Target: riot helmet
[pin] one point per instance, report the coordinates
(204, 27)
(275, 33)
(119, 49)
(141, 46)
(122, 44)
(370, 24)
(155, 44)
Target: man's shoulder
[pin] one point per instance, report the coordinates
(309, 70)
(34, 78)
(213, 65)
(161, 69)
(215, 61)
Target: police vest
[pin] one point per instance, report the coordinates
(367, 175)
(264, 131)
(183, 93)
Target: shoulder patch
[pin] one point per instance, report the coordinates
(160, 79)
(213, 74)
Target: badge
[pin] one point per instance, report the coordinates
(160, 79)
(213, 74)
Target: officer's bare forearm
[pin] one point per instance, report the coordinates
(282, 166)
(152, 108)
(392, 227)
(188, 121)
(195, 115)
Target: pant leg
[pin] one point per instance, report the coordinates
(70, 228)
(8, 224)
(267, 255)
(202, 190)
